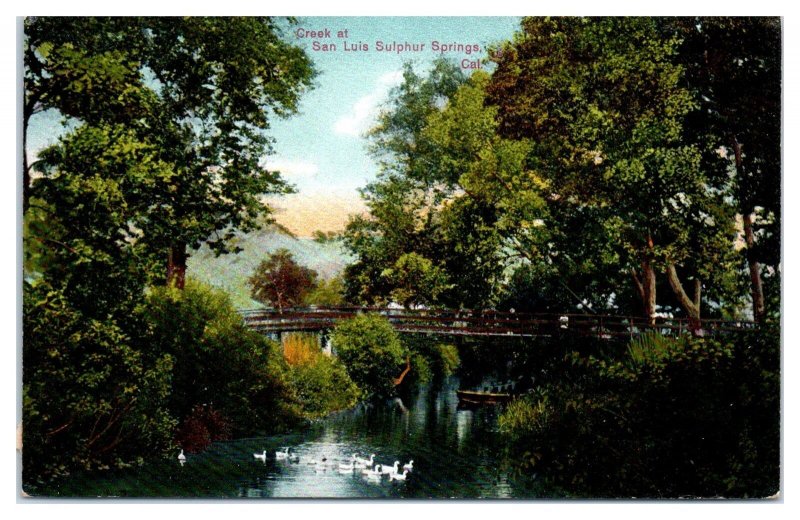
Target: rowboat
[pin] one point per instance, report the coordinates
(472, 397)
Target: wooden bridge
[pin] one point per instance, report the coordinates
(487, 323)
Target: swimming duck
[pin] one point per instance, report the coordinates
(397, 476)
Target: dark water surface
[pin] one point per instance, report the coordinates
(456, 452)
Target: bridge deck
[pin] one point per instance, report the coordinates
(486, 323)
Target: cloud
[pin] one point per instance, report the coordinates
(292, 169)
(363, 113)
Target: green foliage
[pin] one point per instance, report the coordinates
(648, 423)
(415, 280)
(652, 349)
(321, 237)
(602, 104)
(280, 281)
(91, 398)
(371, 351)
(421, 370)
(530, 415)
(449, 360)
(420, 240)
(430, 361)
(327, 293)
(218, 361)
(323, 386)
(206, 123)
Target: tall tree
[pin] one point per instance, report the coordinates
(403, 201)
(602, 104)
(212, 85)
(733, 67)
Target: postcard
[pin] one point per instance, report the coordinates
(401, 257)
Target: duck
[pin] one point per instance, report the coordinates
(361, 463)
(182, 458)
(388, 470)
(368, 470)
(409, 466)
(282, 454)
(348, 466)
(261, 456)
(398, 476)
(374, 474)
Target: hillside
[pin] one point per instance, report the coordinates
(230, 272)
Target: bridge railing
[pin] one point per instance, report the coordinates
(488, 322)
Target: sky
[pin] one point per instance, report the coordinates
(321, 150)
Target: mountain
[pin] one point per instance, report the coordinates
(230, 272)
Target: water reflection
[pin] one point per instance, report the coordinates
(456, 454)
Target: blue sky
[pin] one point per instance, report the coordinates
(321, 150)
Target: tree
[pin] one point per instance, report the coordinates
(418, 215)
(371, 351)
(280, 281)
(207, 121)
(415, 280)
(167, 124)
(602, 104)
(91, 397)
(327, 293)
(733, 67)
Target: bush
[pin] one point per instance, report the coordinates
(371, 352)
(219, 362)
(91, 398)
(430, 360)
(449, 360)
(669, 418)
(202, 427)
(323, 386)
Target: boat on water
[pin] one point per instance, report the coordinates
(473, 397)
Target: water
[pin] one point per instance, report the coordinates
(456, 452)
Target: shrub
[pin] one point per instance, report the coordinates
(669, 418)
(91, 398)
(449, 360)
(371, 352)
(322, 385)
(219, 362)
(203, 426)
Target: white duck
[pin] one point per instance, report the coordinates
(398, 476)
(409, 466)
(261, 456)
(349, 466)
(182, 458)
(282, 454)
(362, 463)
(388, 470)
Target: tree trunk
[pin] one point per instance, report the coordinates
(756, 289)
(691, 306)
(647, 290)
(176, 266)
